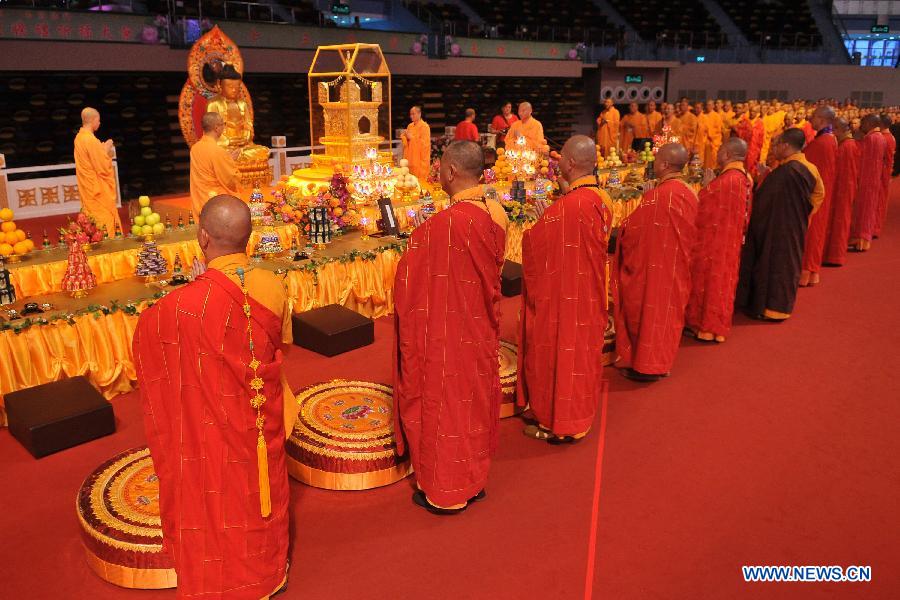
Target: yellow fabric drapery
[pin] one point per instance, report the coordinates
(114, 260)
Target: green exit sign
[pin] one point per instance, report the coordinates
(881, 28)
(634, 79)
(340, 9)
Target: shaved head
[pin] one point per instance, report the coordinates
(524, 110)
(88, 115)
(869, 122)
(578, 158)
(210, 121)
(841, 126)
(462, 166)
(794, 138)
(734, 149)
(224, 225)
(670, 158)
(822, 117)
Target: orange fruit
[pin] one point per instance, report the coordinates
(5, 249)
(21, 235)
(9, 238)
(20, 248)
(30, 245)
(6, 214)
(7, 226)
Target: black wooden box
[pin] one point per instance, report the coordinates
(511, 279)
(55, 416)
(332, 330)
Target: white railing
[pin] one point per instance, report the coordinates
(52, 190)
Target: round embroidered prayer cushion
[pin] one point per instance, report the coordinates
(118, 508)
(509, 373)
(344, 437)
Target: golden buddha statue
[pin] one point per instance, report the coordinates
(252, 160)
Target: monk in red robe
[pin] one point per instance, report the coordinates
(871, 186)
(208, 363)
(652, 271)
(466, 129)
(564, 311)
(716, 257)
(822, 152)
(890, 146)
(845, 185)
(447, 391)
(773, 251)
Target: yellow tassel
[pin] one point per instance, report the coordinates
(262, 463)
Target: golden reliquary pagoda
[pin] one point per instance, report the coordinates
(350, 111)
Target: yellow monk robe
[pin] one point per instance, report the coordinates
(654, 120)
(634, 126)
(531, 129)
(494, 208)
(674, 128)
(713, 126)
(417, 149)
(729, 120)
(689, 126)
(773, 125)
(268, 289)
(213, 172)
(608, 130)
(96, 181)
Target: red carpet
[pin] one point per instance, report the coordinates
(779, 447)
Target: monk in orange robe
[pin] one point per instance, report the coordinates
(688, 122)
(773, 124)
(846, 182)
(871, 186)
(652, 271)
(821, 152)
(564, 310)
(527, 127)
(95, 174)
(890, 147)
(669, 119)
(701, 136)
(773, 251)
(635, 126)
(466, 129)
(715, 260)
(213, 171)
(208, 363)
(447, 392)
(608, 127)
(654, 117)
(713, 126)
(417, 144)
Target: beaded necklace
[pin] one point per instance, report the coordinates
(257, 401)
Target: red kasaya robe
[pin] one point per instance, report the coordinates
(447, 391)
(754, 146)
(871, 187)
(564, 312)
(822, 152)
(845, 185)
(715, 261)
(652, 273)
(890, 146)
(192, 352)
(466, 130)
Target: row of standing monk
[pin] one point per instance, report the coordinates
(677, 264)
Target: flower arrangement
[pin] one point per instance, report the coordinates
(434, 174)
(83, 230)
(292, 206)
